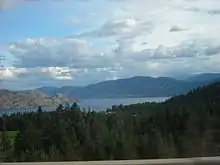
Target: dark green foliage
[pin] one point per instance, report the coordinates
(39, 110)
(74, 106)
(184, 126)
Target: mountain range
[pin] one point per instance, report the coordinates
(138, 86)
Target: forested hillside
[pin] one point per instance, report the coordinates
(184, 126)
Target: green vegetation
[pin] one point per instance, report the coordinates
(184, 126)
(7, 141)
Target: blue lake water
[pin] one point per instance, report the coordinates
(94, 104)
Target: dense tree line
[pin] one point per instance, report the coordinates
(184, 126)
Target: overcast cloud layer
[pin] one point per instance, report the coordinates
(82, 42)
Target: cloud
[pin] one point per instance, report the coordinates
(69, 52)
(214, 12)
(207, 11)
(126, 27)
(76, 62)
(186, 49)
(211, 7)
(23, 78)
(10, 72)
(176, 29)
(79, 54)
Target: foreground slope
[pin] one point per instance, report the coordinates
(204, 94)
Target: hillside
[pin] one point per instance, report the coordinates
(134, 87)
(124, 88)
(184, 126)
(205, 94)
(29, 99)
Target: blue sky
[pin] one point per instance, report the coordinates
(77, 42)
(45, 18)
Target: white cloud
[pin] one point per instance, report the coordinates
(23, 78)
(126, 27)
(152, 22)
(69, 52)
(176, 28)
(11, 72)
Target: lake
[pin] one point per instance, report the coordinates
(94, 104)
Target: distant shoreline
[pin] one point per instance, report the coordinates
(93, 104)
(81, 99)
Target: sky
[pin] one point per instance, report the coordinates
(79, 42)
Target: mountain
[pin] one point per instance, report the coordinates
(204, 78)
(29, 99)
(65, 90)
(134, 87)
(138, 86)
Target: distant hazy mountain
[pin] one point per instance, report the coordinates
(205, 78)
(29, 99)
(134, 87)
(65, 90)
